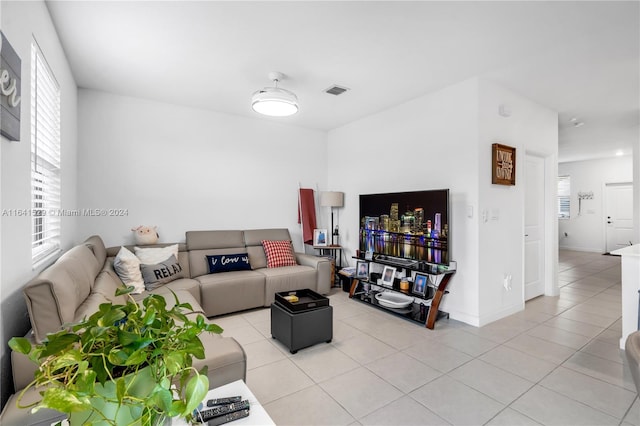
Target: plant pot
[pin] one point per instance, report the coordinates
(108, 412)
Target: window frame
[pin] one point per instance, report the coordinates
(564, 197)
(46, 168)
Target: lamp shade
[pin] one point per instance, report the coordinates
(331, 199)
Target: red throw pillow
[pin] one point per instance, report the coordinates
(279, 253)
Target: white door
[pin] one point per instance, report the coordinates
(534, 227)
(618, 214)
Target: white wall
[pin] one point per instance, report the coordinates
(530, 128)
(586, 231)
(443, 140)
(188, 169)
(427, 143)
(21, 23)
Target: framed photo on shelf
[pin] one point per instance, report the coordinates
(420, 285)
(362, 270)
(388, 274)
(320, 237)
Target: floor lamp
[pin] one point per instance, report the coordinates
(332, 199)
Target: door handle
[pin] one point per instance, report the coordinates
(526, 235)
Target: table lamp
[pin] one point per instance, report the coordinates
(332, 199)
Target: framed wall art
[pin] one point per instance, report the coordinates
(503, 164)
(10, 71)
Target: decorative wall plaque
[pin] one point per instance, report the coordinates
(503, 165)
(9, 91)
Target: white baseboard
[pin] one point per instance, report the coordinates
(588, 250)
(486, 319)
(465, 318)
(505, 312)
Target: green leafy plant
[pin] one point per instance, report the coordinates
(125, 364)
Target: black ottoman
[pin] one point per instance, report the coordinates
(300, 329)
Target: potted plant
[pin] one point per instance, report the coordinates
(125, 364)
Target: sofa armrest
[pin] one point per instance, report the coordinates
(323, 270)
(310, 260)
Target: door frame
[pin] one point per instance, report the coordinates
(537, 161)
(604, 207)
(550, 228)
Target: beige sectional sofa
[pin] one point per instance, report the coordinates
(239, 290)
(84, 277)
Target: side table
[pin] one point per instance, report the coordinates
(13, 416)
(257, 414)
(334, 251)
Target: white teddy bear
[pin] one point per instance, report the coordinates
(145, 235)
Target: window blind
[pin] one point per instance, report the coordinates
(564, 197)
(45, 158)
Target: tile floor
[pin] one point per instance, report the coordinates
(555, 363)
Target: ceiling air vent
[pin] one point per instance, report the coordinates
(336, 90)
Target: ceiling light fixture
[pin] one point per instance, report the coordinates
(619, 153)
(273, 101)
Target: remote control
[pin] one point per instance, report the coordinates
(223, 401)
(220, 410)
(228, 417)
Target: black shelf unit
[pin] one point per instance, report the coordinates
(410, 313)
(432, 298)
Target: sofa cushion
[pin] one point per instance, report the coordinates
(224, 357)
(14, 416)
(279, 253)
(153, 255)
(253, 240)
(180, 285)
(83, 257)
(228, 262)
(107, 285)
(96, 245)
(127, 266)
(231, 291)
(161, 273)
(90, 306)
(53, 297)
(287, 278)
(202, 240)
(183, 295)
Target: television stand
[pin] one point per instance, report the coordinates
(432, 302)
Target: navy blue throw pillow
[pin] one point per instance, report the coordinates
(228, 262)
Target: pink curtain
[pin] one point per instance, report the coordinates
(307, 214)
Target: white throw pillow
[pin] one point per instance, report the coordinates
(127, 266)
(153, 255)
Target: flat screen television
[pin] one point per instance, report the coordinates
(410, 225)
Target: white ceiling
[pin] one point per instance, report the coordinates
(578, 58)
